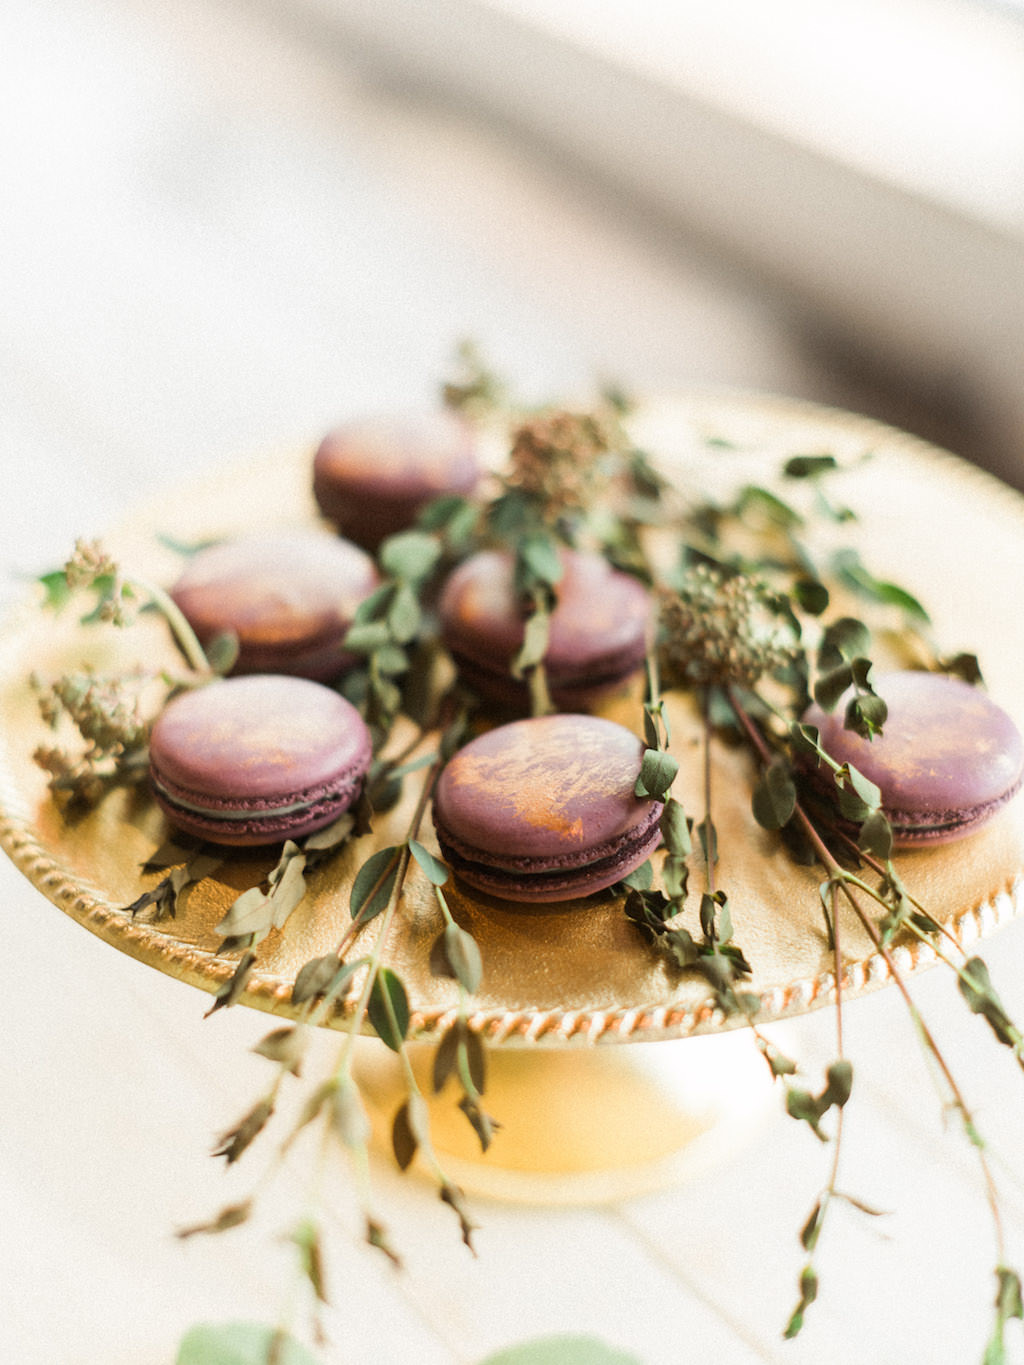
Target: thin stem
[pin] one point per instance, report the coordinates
(841, 881)
(709, 852)
(188, 641)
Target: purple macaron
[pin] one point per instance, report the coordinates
(371, 477)
(599, 631)
(544, 809)
(947, 760)
(289, 600)
(257, 760)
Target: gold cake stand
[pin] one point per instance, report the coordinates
(563, 982)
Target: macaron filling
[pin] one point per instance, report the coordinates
(544, 879)
(319, 798)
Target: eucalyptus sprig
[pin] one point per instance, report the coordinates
(374, 999)
(863, 806)
(735, 623)
(387, 626)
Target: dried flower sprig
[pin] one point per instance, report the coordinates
(106, 710)
(720, 627)
(108, 716)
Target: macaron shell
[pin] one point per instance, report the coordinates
(289, 599)
(256, 747)
(948, 758)
(599, 626)
(372, 475)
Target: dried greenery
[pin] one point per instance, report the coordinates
(746, 625)
(734, 628)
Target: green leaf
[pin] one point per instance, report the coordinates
(868, 792)
(410, 1130)
(641, 878)
(374, 607)
(391, 661)
(875, 836)
(314, 977)
(1008, 1305)
(463, 957)
(331, 836)
(779, 513)
(830, 686)
(965, 666)
(365, 637)
(709, 906)
(675, 877)
(284, 1046)
(865, 715)
(222, 652)
(538, 562)
(240, 1343)
(657, 773)
(844, 639)
(446, 1054)
(808, 1293)
(840, 1083)
(801, 1104)
(811, 595)
(233, 988)
(806, 739)
(456, 1200)
(535, 642)
(977, 989)
(774, 796)
(410, 555)
(708, 836)
(373, 884)
(675, 829)
(433, 869)
(811, 1229)
(232, 1216)
(348, 1116)
(1009, 1300)
(55, 589)
(562, 1349)
(388, 1009)
(450, 514)
(306, 1237)
(809, 466)
(404, 615)
(476, 1059)
(232, 1144)
(848, 567)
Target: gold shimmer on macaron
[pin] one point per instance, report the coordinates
(521, 775)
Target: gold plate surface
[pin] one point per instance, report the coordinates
(578, 971)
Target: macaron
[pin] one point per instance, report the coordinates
(257, 760)
(289, 599)
(372, 476)
(947, 760)
(544, 809)
(598, 637)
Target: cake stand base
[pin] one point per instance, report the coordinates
(587, 1125)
